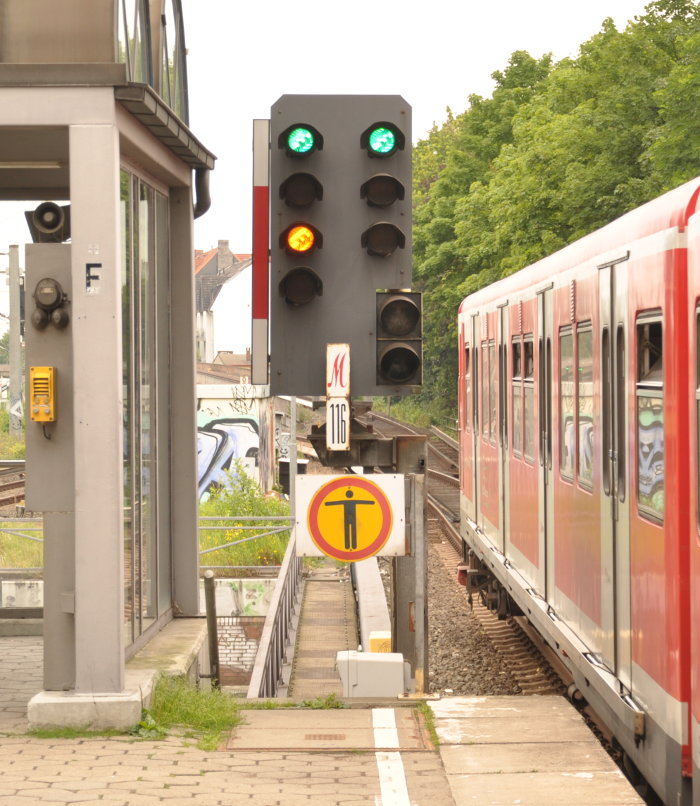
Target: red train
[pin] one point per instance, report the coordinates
(579, 395)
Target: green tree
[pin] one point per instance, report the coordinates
(558, 151)
(5, 348)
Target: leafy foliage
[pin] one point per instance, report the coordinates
(241, 496)
(557, 151)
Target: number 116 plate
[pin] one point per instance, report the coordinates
(338, 424)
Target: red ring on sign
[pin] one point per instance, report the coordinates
(359, 554)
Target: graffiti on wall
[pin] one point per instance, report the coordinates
(233, 433)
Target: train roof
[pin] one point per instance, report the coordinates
(672, 210)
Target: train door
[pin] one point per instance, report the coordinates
(615, 528)
(471, 424)
(545, 402)
(504, 482)
(489, 495)
(473, 327)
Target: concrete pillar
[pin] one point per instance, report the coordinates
(183, 406)
(98, 412)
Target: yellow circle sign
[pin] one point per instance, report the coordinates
(350, 518)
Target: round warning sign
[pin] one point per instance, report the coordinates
(349, 518)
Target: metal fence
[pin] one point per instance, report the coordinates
(267, 672)
(260, 525)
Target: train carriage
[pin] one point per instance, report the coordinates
(576, 466)
(693, 370)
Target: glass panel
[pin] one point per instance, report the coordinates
(586, 441)
(606, 389)
(467, 388)
(649, 353)
(567, 400)
(162, 490)
(517, 398)
(621, 414)
(517, 418)
(517, 368)
(650, 459)
(493, 389)
(126, 273)
(650, 419)
(133, 45)
(548, 392)
(147, 457)
(529, 392)
(484, 390)
(503, 393)
(146, 362)
(529, 359)
(173, 59)
(529, 421)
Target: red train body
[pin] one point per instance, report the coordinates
(579, 394)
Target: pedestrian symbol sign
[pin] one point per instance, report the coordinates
(350, 518)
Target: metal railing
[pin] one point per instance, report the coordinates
(267, 672)
(242, 523)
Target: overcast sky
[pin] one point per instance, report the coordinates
(244, 55)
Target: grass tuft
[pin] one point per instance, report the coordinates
(206, 715)
(429, 720)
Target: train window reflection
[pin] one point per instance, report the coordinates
(650, 420)
(567, 400)
(529, 398)
(529, 358)
(467, 387)
(584, 383)
(484, 390)
(517, 428)
(493, 389)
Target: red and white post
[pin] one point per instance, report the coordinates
(261, 252)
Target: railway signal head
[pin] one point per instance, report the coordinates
(340, 175)
(399, 338)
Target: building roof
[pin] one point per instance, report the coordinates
(202, 259)
(219, 373)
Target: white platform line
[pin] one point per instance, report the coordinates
(392, 777)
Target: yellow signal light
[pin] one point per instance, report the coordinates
(301, 238)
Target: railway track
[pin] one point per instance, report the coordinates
(534, 667)
(12, 483)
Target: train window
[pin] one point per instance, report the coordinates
(649, 353)
(493, 396)
(517, 428)
(517, 348)
(606, 391)
(503, 394)
(548, 394)
(467, 387)
(621, 375)
(650, 419)
(484, 389)
(567, 400)
(529, 398)
(529, 367)
(584, 383)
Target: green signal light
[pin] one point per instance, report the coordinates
(301, 140)
(382, 140)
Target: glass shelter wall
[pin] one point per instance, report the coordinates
(146, 360)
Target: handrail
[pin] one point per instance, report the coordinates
(267, 671)
(285, 525)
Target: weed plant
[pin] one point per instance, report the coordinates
(241, 496)
(10, 448)
(203, 715)
(19, 552)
